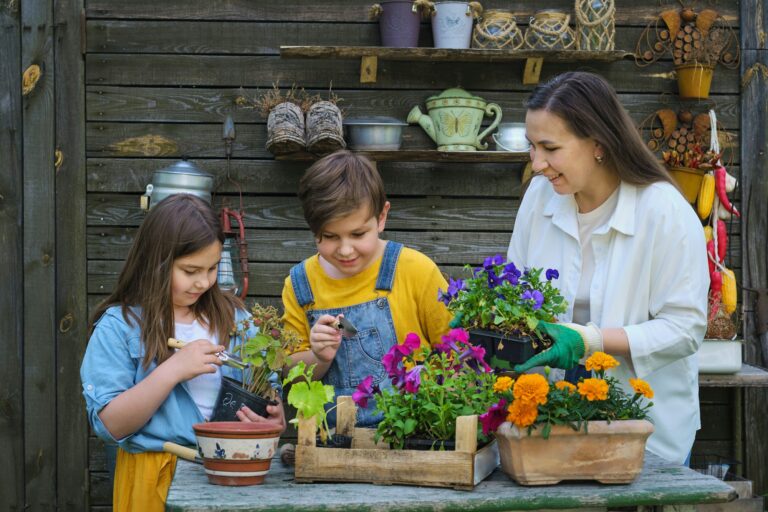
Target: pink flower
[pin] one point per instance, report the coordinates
(496, 415)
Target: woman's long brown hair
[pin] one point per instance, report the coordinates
(180, 225)
(591, 109)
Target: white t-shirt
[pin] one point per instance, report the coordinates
(588, 223)
(204, 388)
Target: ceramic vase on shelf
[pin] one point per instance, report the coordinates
(611, 453)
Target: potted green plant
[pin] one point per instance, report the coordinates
(501, 307)
(597, 426)
(430, 388)
(309, 397)
(263, 343)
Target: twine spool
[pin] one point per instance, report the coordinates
(497, 29)
(549, 30)
(325, 133)
(595, 24)
(285, 129)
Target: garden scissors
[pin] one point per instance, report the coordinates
(346, 327)
(225, 357)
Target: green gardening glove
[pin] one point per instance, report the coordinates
(571, 342)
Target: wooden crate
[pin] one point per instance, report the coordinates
(369, 462)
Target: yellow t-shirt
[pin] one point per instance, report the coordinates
(412, 301)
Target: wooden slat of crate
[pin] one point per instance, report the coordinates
(460, 469)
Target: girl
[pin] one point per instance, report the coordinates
(140, 393)
(630, 250)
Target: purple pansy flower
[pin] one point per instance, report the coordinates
(511, 273)
(454, 287)
(552, 274)
(365, 391)
(492, 261)
(535, 295)
(496, 415)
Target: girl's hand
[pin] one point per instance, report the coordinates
(276, 416)
(195, 358)
(324, 339)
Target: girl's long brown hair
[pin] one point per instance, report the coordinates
(591, 109)
(180, 225)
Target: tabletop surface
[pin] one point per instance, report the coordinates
(747, 377)
(660, 483)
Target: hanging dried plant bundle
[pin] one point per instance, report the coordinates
(704, 38)
(265, 102)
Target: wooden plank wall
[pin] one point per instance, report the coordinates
(162, 76)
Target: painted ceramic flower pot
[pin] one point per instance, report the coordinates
(611, 453)
(454, 120)
(234, 452)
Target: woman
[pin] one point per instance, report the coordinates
(630, 250)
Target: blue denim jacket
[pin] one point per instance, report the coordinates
(113, 364)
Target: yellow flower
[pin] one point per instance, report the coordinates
(641, 387)
(564, 384)
(600, 361)
(531, 388)
(593, 389)
(502, 384)
(522, 413)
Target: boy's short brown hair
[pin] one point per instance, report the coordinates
(337, 185)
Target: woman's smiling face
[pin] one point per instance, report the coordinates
(566, 160)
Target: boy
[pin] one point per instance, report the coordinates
(384, 289)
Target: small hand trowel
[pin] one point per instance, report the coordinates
(225, 357)
(346, 327)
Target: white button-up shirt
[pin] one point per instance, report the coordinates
(651, 278)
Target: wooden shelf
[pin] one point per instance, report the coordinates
(369, 55)
(748, 377)
(426, 155)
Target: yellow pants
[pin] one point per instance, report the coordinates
(142, 481)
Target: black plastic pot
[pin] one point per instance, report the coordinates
(334, 441)
(232, 396)
(415, 443)
(503, 352)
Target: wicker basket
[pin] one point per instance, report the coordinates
(325, 133)
(285, 129)
(549, 30)
(497, 30)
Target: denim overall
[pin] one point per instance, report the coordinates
(360, 355)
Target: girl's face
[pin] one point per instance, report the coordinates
(193, 275)
(351, 243)
(567, 161)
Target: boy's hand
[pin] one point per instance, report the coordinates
(324, 339)
(197, 357)
(276, 416)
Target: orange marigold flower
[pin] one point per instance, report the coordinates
(522, 413)
(564, 384)
(593, 389)
(641, 387)
(600, 361)
(531, 388)
(502, 384)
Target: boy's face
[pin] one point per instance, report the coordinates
(351, 243)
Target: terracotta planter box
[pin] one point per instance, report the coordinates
(611, 453)
(368, 462)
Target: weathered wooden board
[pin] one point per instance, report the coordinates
(263, 71)
(338, 10)
(71, 313)
(131, 175)
(39, 219)
(660, 483)
(12, 263)
(203, 105)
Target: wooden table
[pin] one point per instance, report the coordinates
(662, 486)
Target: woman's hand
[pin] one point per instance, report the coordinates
(195, 358)
(325, 339)
(276, 416)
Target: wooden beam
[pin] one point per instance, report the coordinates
(37, 47)
(754, 190)
(11, 262)
(71, 314)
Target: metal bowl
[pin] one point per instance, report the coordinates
(374, 133)
(511, 137)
